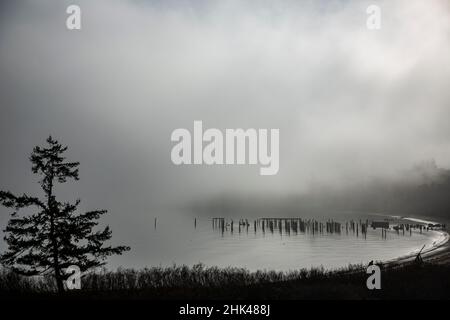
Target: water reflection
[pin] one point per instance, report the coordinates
(275, 243)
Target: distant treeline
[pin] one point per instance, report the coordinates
(422, 191)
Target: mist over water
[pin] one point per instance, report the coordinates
(185, 241)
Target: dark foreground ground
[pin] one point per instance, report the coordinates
(406, 281)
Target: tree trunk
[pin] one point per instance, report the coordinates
(59, 282)
(56, 266)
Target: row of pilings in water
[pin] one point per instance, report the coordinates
(299, 225)
(291, 225)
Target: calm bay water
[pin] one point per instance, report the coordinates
(180, 241)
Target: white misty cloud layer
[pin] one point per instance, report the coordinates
(350, 103)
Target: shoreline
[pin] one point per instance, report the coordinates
(438, 252)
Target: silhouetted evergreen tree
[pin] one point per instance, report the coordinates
(55, 236)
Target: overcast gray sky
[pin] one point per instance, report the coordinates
(350, 103)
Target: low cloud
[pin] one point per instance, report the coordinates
(350, 103)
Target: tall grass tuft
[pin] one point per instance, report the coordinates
(175, 276)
